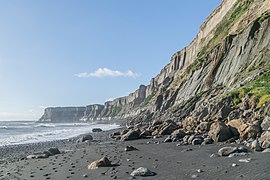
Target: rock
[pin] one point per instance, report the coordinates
(190, 139)
(264, 137)
(255, 145)
(178, 134)
(168, 129)
(54, 151)
(84, 138)
(203, 127)
(145, 134)
(219, 132)
(115, 134)
(265, 123)
(207, 141)
(142, 171)
(265, 144)
(38, 155)
(234, 165)
(103, 162)
(245, 160)
(234, 126)
(168, 139)
(226, 151)
(249, 131)
(235, 114)
(157, 122)
(130, 135)
(267, 150)
(189, 123)
(185, 139)
(123, 132)
(96, 130)
(130, 148)
(197, 141)
(238, 154)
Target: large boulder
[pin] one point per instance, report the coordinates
(130, 135)
(234, 126)
(265, 137)
(189, 123)
(84, 138)
(103, 162)
(219, 132)
(178, 134)
(249, 131)
(266, 123)
(167, 129)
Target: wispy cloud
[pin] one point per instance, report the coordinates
(106, 72)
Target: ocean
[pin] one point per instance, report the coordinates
(22, 132)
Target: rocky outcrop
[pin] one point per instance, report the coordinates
(62, 114)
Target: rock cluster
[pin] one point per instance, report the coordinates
(45, 154)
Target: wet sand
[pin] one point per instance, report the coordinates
(167, 160)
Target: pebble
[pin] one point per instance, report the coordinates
(199, 171)
(245, 160)
(194, 176)
(85, 175)
(234, 165)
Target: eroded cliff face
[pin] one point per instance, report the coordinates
(231, 50)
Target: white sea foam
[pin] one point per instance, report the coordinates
(32, 132)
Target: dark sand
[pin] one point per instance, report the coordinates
(169, 161)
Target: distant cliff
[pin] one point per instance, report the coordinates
(230, 51)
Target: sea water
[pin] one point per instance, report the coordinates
(22, 132)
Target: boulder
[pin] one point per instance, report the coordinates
(207, 141)
(96, 130)
(189, 123)
(203, 127)
(168, 129)
(124, 131)
(38, 155)
(265, 144)
(53, 151)
(226, 151)
(178, 134)
(145, 134)
(255, 145)
(142, 171)
(234, 126)
(190, 139)
(168, 139)
(249, 131)
(219, 132)
(103, 162)
(265, 123)
(264, 137)
(84, 138)
(197, 141)
(130, 135)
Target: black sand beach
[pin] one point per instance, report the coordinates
(167, 160)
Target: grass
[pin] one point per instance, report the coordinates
(260, 89)
(148, 98)
(264, 17)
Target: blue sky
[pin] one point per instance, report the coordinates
(74, 53)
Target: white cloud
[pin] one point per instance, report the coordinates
(106, 72)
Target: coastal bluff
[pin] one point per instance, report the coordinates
(230, 51)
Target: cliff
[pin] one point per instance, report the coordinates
(230, 51)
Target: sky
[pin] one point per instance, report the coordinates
(76, 53)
